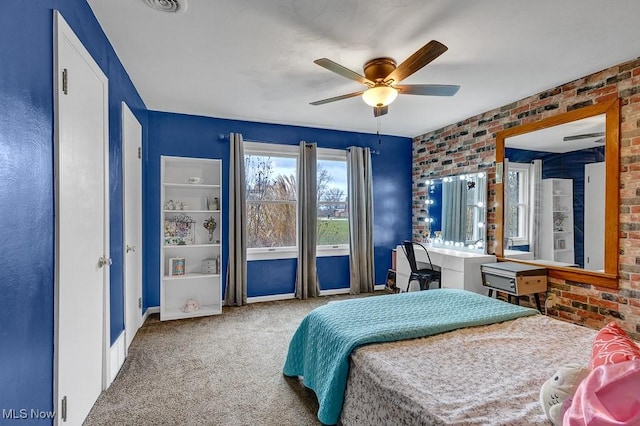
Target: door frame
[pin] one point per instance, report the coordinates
(62, 29)
(138, 321)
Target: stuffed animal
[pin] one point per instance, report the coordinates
(191, 305)
(559, 388)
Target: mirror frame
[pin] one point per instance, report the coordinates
(608, 278)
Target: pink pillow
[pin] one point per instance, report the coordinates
(608, 396)
(612, 345)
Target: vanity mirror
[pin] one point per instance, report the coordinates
(557, 194)
(455, 211)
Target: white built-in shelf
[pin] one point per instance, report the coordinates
(190, 245)
(178, 291)
(190, 276)
(190, 185)
(205, 310)
(556, 221)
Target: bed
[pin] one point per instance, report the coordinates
(483, 361)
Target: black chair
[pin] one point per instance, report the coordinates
(423, 276)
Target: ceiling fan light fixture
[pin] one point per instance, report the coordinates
(379, 96)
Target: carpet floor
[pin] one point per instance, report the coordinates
(218, 370)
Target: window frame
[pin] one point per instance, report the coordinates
(292, 151)
(523, 207)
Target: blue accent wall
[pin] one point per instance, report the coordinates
(569, 165)
(26, 190)
(434, 192)
(196, 136)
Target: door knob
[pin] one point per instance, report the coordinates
(104, 260)
(130, 248)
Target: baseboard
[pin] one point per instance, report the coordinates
(150, 310)
(117, 356)
(334, 291)
(272, 298)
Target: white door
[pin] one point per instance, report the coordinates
(82, 227)
(132, 166)
(594, 193)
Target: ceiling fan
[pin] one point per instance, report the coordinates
(381, 76)
(586, 136)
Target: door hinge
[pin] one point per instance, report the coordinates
(139, 152)
(63, 409)
(65, 82)
(139, 302)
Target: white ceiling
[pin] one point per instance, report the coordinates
(551, 139)
(253, 59)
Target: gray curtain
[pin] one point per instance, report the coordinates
(454, 203)
(535, 207)
(236, 286)
(307, 278)
(360, 184)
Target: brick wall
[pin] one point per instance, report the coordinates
(469, 146)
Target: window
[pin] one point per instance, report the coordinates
(333, 207)
(517, 196)
(270, 173)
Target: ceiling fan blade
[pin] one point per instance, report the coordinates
(583, 136)
(428, 89)
(419, 59)
(345, 72)
(378, 111)
(337, 98)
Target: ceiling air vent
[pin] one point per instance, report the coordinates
(169, 6)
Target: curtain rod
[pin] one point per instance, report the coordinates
(222, 137)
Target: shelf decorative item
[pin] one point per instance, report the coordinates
(190, 305)
(213, 203)
(179, 230)
(559, 221)
(210, 225)
(177, 266)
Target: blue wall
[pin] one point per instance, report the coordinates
(569, 165)
(26, 190)
(195, 136)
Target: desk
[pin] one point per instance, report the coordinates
(459, 269)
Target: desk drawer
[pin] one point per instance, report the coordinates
(520, 285)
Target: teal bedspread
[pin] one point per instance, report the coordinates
(320, 348)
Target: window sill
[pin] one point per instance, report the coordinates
(276, 254)
(517, 242)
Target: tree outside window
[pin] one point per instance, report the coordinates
(271, 190)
